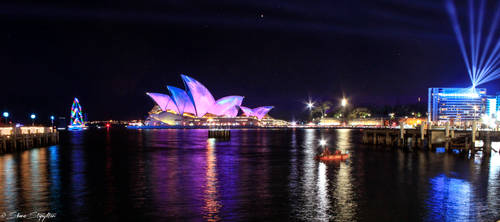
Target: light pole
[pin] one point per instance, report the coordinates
(343, 102)
(52, 121)
(33, 117)
(310, 106)
(6, 116)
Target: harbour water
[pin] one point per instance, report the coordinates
(258, 174)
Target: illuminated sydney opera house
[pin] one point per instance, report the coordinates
(195, 106)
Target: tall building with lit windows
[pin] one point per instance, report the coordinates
(491, 106)
(458, 104)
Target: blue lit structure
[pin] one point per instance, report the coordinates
(450, 199)
(491, 106)
(459, 104)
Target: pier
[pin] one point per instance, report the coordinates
(14, 139)
(424, 137)
(223, 134)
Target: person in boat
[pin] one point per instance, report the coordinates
(326, 152)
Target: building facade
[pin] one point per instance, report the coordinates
(491, 106)
(456, 104)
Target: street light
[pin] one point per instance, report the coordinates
(310, 106)
(52, 121)
(33, 117)
(6, 116)
(343, 102)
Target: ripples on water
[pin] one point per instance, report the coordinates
(257, 174)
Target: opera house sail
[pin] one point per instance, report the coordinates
(199, 94)
(164, 101)
(227, 106)
(196, 105)
(181, 100)
(258, 112)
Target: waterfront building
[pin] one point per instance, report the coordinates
(196, 106)
(491, 106)
(362, 122)
(456, 104)
(411, 121)
(357, 122)
(329, 121)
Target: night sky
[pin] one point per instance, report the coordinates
(109, 53)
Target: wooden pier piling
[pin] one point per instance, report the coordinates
(420, 137)
(219, 133)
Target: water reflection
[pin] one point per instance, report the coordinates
(493, 179)
(343, 140)
(345, 206)
(54, 177)
(258, 175)
(308, 180)
(78, 183)
(9, 183)
(39, 186)
(211, 204)
(24, 182)
(450, 199)
(322, 196)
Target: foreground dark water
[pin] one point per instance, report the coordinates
(257, 175)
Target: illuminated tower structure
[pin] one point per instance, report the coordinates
(76, 116)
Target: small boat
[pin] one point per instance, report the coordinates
(326, 156)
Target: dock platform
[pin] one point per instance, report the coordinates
(424, 137)
(14, 139)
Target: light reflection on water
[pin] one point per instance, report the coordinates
(308, 182)
(345, 208)
(323, 213)
(493, 190)
(9, 184)
(450, 199)
(256, 175)
(212, 205)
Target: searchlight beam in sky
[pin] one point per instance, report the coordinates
(482, 58)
